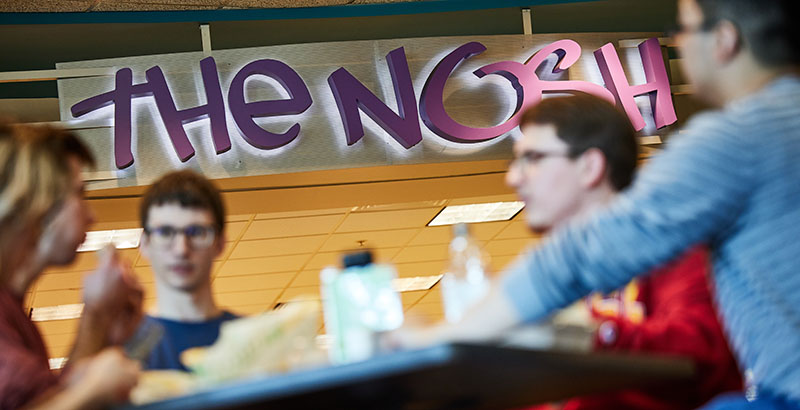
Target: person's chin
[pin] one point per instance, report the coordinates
(184, 281)
(538, 230)
(185, 285)
(538, 227)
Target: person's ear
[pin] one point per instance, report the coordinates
(593, 166)
(144, 245)
(219, 244)
(727, 41)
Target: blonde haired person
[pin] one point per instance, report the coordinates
(43, 220)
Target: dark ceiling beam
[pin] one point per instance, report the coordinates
(356, 10)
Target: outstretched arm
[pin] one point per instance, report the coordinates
(690, 193)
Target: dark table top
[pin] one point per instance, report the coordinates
(442, 377)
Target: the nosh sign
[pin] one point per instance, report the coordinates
(352, 98)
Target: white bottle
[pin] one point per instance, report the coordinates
(465, 281)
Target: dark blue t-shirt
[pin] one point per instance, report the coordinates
(179, 336)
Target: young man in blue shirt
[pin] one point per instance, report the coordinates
(184, 220)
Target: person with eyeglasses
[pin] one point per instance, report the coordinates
(575, 155)
(183, 218)
(730, 179)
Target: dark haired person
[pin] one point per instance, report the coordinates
(730, 180)
(574, 157)
(184, 231)
(43, 220)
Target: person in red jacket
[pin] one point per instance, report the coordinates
(576, 153)
(671, 312)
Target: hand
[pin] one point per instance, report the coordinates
(113, 297)
(106, 378)
(487, 320)
(94, 382)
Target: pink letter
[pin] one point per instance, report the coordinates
(530, 88)
(657, 85)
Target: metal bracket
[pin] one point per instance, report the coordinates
(205, 35)
(527, 27)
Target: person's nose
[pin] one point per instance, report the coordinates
(180, 243)
(513, 175)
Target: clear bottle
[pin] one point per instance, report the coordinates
(465, 281)
(359, 303)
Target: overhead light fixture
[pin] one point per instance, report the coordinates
(473, 213)
(57, 362)
(121, 238)
(415, 283)
(59, 312)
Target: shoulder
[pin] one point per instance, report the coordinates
(756, 116)
(148, 321)
(755, 112)
(716, 129)
(226, 316)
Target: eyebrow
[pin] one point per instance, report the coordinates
(538, 151)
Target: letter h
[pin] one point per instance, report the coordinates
(172, 118)
(657, 85)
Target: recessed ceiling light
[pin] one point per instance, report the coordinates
(416, 283)
(57, 362)
(473, 213)
(59, 312)
(121, 238)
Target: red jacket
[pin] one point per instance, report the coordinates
(678, 318)
(24, 370)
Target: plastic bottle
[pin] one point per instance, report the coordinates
(359, 303)
(465, 281)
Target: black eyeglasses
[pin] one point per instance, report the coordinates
(199, 236)
(531, 157)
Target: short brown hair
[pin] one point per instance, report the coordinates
(188, 189)
(35, 175)
(768, 28)
(584, 121)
